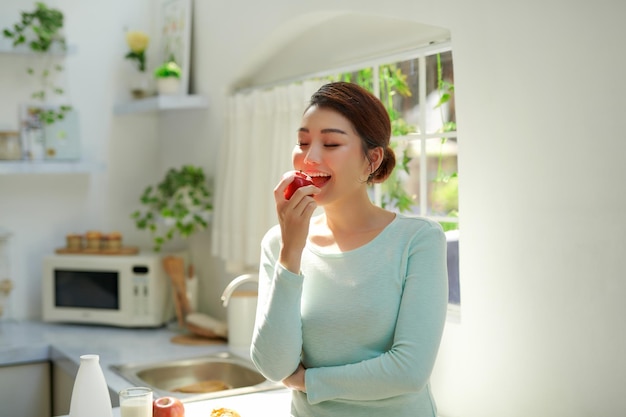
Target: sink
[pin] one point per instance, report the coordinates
(213, 376)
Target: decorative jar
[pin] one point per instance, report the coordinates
(10, 145)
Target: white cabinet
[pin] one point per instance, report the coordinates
(62, 386)
(63, 377)
(25, 390)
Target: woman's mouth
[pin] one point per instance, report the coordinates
(319, 178)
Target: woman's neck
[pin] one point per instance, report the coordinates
(361, 216)
(349, 225)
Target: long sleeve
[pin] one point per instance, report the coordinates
(277, 339)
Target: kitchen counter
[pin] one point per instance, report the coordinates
(63, 344)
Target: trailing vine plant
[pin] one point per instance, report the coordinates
(392, 82)
(40, 30)
(449, 181)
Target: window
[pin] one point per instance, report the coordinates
(418, 91)
(417, 88)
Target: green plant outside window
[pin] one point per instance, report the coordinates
(393, 89)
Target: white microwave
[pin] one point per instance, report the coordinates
(124, 291)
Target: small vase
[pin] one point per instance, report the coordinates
(139, 84)
(90, 395)
(168, 85)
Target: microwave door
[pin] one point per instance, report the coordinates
(87, 289)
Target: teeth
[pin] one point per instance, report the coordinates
(317, 174)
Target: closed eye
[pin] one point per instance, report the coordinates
(328, 145)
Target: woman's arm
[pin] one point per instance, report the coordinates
(277, 339)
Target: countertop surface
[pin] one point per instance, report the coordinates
(63, 344)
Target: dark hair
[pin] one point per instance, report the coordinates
(368, 116)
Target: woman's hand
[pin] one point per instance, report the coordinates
(294, 216)
(296, 380)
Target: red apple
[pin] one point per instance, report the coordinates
(168, 407)
(300, 180)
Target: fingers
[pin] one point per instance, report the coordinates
(287, 178)
(305, 206)
(299, 209)
(294, 216)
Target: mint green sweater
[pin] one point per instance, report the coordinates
(366, 323)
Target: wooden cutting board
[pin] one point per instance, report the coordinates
(124, 250)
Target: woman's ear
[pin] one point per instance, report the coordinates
(376, 156)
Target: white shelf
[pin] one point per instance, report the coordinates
(45, 166)
(25, 50)
(50, 167)
(162, 102)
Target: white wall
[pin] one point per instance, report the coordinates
(41, 209)
(538, 91)
(539, 106)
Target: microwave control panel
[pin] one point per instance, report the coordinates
(141, 290)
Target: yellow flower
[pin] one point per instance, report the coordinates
(137, 41)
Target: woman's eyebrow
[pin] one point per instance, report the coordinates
(333, 130)
(328, 130)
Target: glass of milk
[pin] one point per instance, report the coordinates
(136, 402)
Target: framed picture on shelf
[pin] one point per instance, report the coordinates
(45, 136)
(174, 26)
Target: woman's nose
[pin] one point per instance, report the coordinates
(312, 155)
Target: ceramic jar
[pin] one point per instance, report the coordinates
(74, 242)
(168, 85)
(93, 239)
(10, 145)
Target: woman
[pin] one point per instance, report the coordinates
(352, 302)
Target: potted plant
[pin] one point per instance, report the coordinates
(168, 77)
(41, 30)
(137, 42)
(180, 204)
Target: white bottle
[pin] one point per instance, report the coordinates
(90, 395)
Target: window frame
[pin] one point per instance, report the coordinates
(422, 137)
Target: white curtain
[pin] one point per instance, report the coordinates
(261, 131)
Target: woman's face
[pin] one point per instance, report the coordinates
(330, 151)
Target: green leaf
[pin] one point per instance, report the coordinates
(445, 97)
